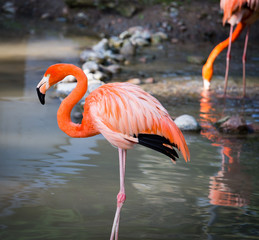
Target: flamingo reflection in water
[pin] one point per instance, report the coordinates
(230, 186)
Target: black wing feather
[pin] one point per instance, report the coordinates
(158, 143)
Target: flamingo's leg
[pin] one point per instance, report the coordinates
(228, 59)
(121, 197)
(244, 61)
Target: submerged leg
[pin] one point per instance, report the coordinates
(121, 197)
(244, 62)
(228, 59)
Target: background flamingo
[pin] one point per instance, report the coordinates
(242, 13)
(123, 113)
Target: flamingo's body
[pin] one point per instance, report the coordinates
(240, 12)
(123, 113)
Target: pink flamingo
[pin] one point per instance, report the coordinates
(242, 13)
(123, 113)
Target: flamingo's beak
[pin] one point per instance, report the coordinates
(41, 96)
(42, 87)
(206, 84)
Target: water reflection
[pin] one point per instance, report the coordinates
(230, 186)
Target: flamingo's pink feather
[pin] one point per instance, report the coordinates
(121, 110)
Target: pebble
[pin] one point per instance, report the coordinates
(158, 37)
(139, 41)
(101, 46)
(187, 123)
(173, 12)
(124, 35)
(174, 40)
(9, 7)
(128, 49)
(65, 88)
(149, 80)
(90, 66)
(88, 55)
(196, 60)
(68, 79)
(113, 69)
(135, 81)
(98, 75)
(115, 42)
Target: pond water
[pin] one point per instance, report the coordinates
(55, 187)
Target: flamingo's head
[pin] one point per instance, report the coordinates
(207, 73)
(53, 75)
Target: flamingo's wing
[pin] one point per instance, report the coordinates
(126, 115)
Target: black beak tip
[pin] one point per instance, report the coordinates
(41, 96)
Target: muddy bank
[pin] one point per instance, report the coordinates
(184, 21)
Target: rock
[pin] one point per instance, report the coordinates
(118, 57)
(90, 66)
(221, 121)
(187, 123)
(115, 42)
(128, 49)
(138, 41)
(96, 76)
(158, 37)
(173, 12)
(9, 8)
(101, 46)
(69, 79)
(125, 34)
(162, 35)
(149, 80)
(81, 16)
(135, 81)
(65, 88)
(155, 40)
(45, 16)
(100, 76)
(196, 60)
(112, 69)
(174, 40)
(234, 124)
(143, 33)
(90, 76)
(134, 29)
(106, 71)
(109, 55)
(88, 55)
(93, 84)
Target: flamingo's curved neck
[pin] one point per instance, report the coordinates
(221, 46)
(64, 112)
